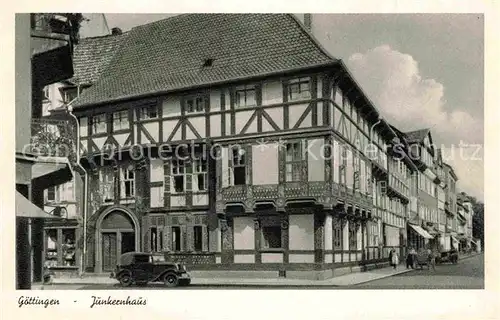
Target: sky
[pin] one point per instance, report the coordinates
(420, 70)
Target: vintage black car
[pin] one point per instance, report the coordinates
(141, 268)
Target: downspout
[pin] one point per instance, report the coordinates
(85, 188)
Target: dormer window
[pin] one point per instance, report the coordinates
(299, 89)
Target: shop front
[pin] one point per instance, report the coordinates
(418, 238)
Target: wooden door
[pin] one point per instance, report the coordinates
(109, 251)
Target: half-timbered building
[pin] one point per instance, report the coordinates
(236, 142)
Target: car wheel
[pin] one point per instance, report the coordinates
(126, 280)
(171, 280)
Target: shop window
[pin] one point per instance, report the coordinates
(60, 249)
(176, 238)
(271, 237)
(198, 238)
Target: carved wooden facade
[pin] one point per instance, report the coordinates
(335, 180)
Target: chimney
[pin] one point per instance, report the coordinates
(308, 21)
(116, 31)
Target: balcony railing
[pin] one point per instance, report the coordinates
(53, 138)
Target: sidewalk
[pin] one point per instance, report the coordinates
(344, 280)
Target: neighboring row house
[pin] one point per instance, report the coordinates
(237, 142)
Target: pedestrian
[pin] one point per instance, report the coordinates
(394, 258)
(431, 259)
(410, 259)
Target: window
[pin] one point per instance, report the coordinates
(189, 175)
(353, 237)
(70, 95)
(299, 89)
(128, 185)
(271, 237)
(198, 238)
(337, 234)
(200, 174)
(156, 239)
(245, 96)
(60, 247)
(107, 179)
(99, 124)
(176, 238)
(238, 165)
(148, 112)
(294, 161)
(195, 104)
(179, 171)
(51, 193)
(120, 120)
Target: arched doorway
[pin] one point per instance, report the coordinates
(117, 233)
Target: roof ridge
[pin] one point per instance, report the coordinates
(311, 36)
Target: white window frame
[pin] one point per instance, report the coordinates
(195, 108)
(200, 168)
(179, 168)
(303, 92)
(294, 159)
(99, 123)
(148, 112)
(243, 92)
(120, 120)
(107, 177)
(127, 175)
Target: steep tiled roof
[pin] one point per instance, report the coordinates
(92, 56)
(169, 54)
(417, 136)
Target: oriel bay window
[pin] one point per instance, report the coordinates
(245, 96)
(294, 161)
(299, 89)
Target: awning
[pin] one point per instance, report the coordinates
(421, 232)
(27, 209)
(44, 166)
